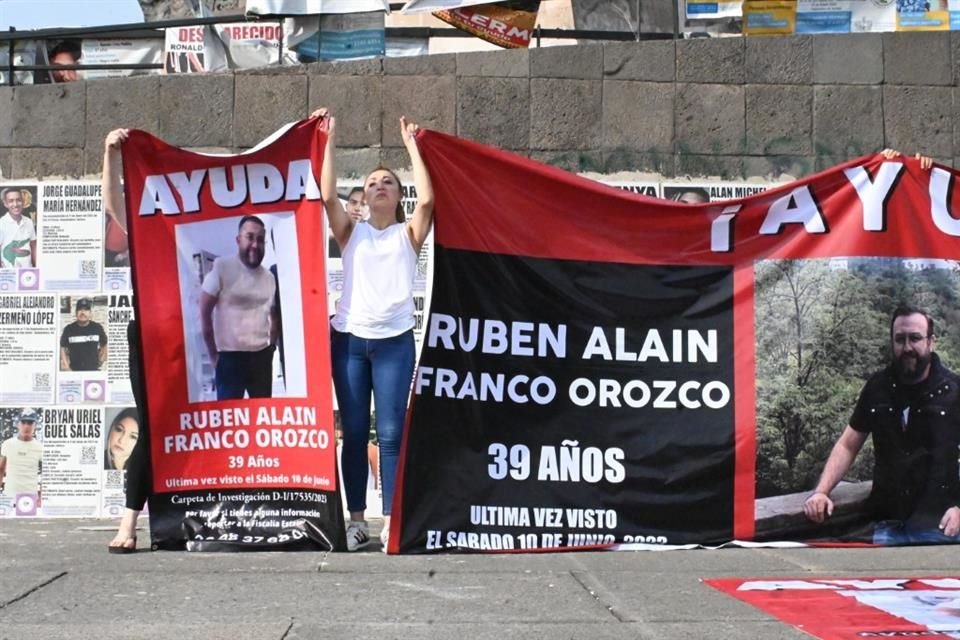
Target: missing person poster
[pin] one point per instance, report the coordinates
(71, 235)
(699, 192)
(119, 315)
(649, 373)
(19, 228)
(72, 461)
(28, 347)
(120, 434)
(231, 296)
(84, 348)
(193, 49)
(21, 450)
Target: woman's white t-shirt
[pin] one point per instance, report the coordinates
(379, 266)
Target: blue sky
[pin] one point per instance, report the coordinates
(41, 14)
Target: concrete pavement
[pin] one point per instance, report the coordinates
(58, 581)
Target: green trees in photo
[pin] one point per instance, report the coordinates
(822, 328)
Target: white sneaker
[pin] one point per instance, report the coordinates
(384, 538)
(358, 535)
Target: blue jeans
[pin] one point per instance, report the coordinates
(385, 367)
(896, 532)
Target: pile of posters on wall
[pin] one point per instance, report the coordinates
(778, 17)
(67, 420)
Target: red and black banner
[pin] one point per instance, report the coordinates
(856, 607)
(603, 369)
(231, 300)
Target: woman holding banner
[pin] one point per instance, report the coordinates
(138, 463)
(372, 348)
(926, 162)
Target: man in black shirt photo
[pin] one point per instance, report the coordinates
(83, 343)
(911, 410)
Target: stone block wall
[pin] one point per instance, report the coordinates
(727, 107)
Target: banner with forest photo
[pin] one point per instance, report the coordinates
(602, 369)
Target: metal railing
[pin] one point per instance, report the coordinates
(151, 30)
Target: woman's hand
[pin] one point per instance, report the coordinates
(323, 112)
(115, 139)
(926, 162)
(408, 131)
(422, 220)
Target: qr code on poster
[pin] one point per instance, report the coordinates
(41, 381)
(88, 269)
(88, 454)
(114, 479)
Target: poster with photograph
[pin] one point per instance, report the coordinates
(193, 49)
(83, 349)
(28, 347)
(242, 272)
(232, 300)
(19, 259)
(700, 192)
(119, 315)
(121, 433)
(21, 449)
(71, 235)
(684, 360)
(841, 305)
(72, 461)
(923, 15)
